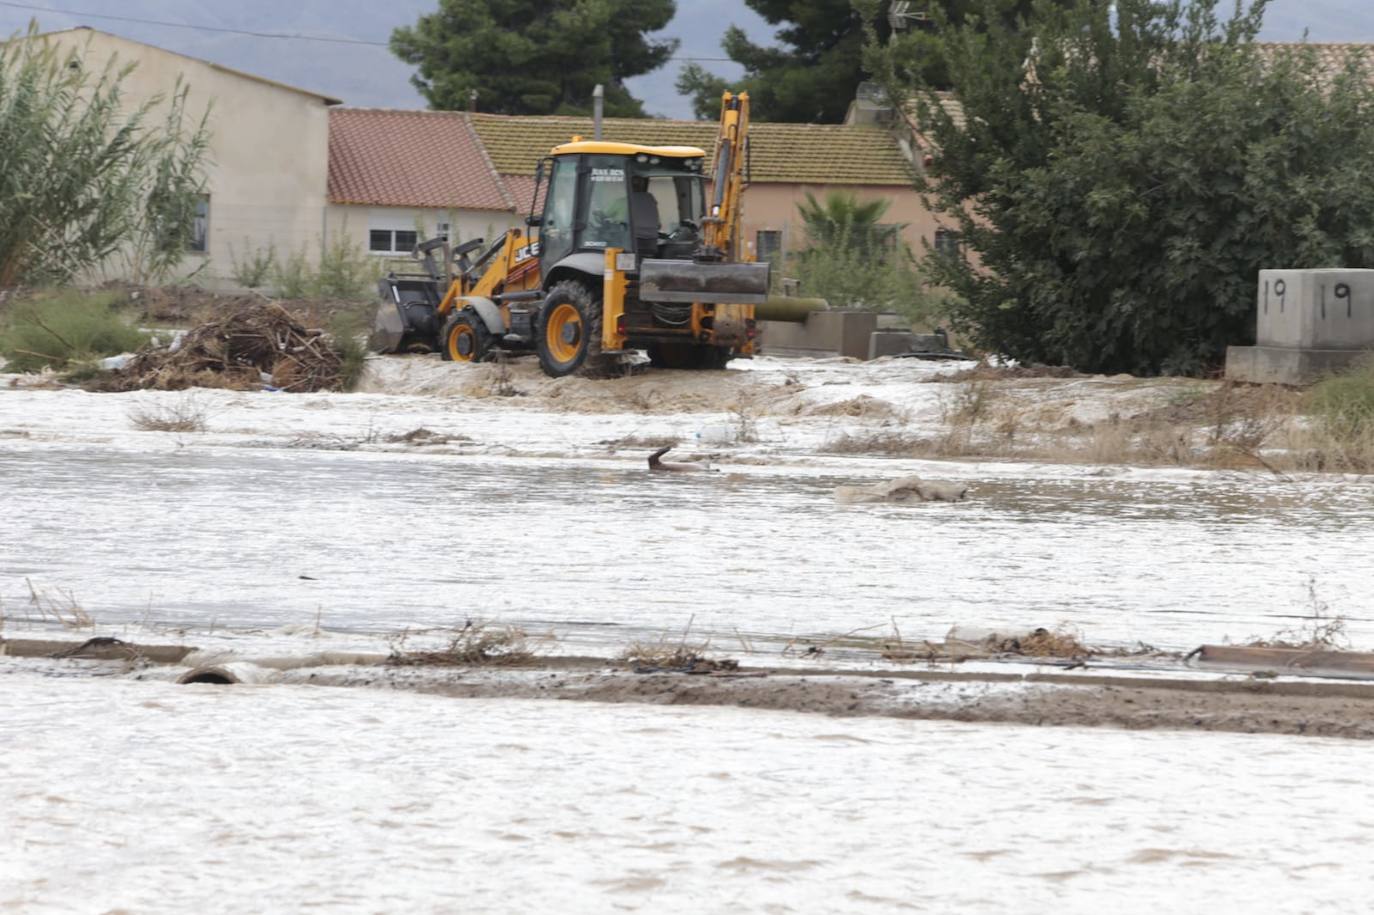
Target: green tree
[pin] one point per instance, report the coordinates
(1120, 179)
(854, 261)
(85, 176)
(814, 74)
(810, 78)
(535, 56)
(843, 220)
(921, 46)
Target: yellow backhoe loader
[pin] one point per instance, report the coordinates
(626, 253)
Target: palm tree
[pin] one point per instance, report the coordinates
(845, 222)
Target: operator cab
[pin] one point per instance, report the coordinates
(648, 200)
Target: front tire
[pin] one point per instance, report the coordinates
(465, 338)
(567, 335)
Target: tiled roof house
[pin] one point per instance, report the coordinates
(393, 173)
(398, 176)
(827, 154)
(290, 170)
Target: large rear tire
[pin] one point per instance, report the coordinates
(465, 338)
(567, 334)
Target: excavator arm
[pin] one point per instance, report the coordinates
(722, 223)
(721, 272)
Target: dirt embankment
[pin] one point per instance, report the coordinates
(1318, 709)
(1105, 697)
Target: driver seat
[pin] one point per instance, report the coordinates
(644, 216)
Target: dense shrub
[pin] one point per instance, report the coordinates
(86, 176)
(1344, 403)
(61, 329)
(1121, 172)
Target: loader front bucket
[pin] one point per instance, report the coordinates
(388, 329)
(691, 281)
(406, 317)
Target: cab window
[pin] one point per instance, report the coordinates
(606, 222)
(678, 188)
(679, 199)
(556, 230)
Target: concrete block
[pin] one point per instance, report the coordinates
(1316, 309)
(890, 343)
(1286, 364)
(1310, 323)
(825, 333)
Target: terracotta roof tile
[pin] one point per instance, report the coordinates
(781, 153)
(521, 187)
(431, 159)
(1332, 58)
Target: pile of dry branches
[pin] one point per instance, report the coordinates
(241, 349)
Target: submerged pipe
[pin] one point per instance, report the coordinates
(788, 308)
(228, 674)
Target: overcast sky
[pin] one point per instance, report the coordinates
(367, 74)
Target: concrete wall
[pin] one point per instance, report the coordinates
(268, 164)
(828, 333)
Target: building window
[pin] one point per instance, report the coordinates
(886, 235)
(441, 230)
(199, 242)
(391, 241)
(768, 244)
(947, 243)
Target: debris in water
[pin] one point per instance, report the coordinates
(905, 489)
(423, 436)
(474, 644)
(240, 350)
(1062, 642)
(655, 463)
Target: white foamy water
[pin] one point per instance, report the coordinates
(220, 536)
(526, 517)
(149, 797)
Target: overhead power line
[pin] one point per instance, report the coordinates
(280, 36)
(196, 28)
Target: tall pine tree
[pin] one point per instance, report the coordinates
(535, 56)
(810, 77)
(812, 73)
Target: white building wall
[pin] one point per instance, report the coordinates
(268, 163)
(356, 222)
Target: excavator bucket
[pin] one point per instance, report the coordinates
(388, 329)
(406, 317)
(692, 281)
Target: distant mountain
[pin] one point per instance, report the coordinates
(368, 75)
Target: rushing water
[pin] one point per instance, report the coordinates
(148, 797)
(599, 549)
(125, 795)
